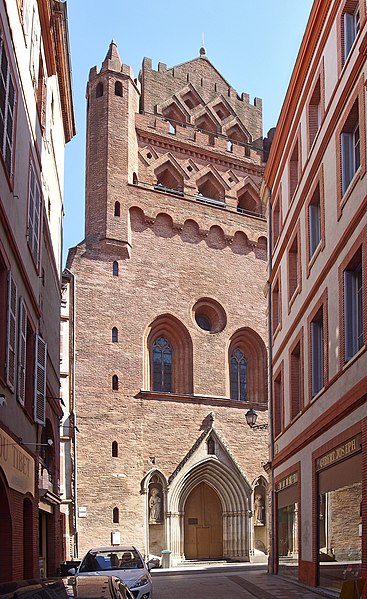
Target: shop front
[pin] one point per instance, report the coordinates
(17, 508)
(339, 507)
(287, 506)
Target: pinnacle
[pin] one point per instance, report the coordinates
(112, 60)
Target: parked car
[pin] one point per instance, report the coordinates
(108, 587)
(125, 562)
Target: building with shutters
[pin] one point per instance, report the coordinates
(169, 316)
(36, 120)
(316, 179)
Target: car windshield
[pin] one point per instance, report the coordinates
(96, 561)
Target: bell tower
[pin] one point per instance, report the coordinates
(111, 151)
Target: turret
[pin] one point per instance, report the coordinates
(111, 152)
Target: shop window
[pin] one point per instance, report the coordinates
(99, 90)
(288, 529)
(116, 515)
(34, 210)
(314, 113)
(115, 335)
(162, 365)
(7, 105)
(314, 222)
(118, 88)
(278, 403)
(350, 147)
(317, 352)
(350, 26)
(117, 209)
(115, 268)
(238, 376)
(340, 537)
(115, 449)
(294, 268)
(353, 307)
(296, 381)
(115, 383)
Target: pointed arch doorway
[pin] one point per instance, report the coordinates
(203, 524)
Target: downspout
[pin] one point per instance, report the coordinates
(73, 415)
(271, 565)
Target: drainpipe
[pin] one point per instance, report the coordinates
(73, 414)
(271, 565)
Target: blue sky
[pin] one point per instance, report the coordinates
(253, 44)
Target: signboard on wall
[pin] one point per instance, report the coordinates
(18, 465)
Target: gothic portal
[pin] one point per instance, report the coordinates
(170, 314)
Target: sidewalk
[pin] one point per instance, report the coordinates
(253, 578)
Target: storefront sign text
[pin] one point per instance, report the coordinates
(339, 453)
(17, 464)
(292, 479)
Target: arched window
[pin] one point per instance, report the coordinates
(118, 88)
(115, 449)
(117, 208)
(115, 383)
(115, 268)
(162, 365)
(238, 376)
(99, 90)
(115, 335)
(116, 515)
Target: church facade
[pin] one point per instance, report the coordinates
(169, 316)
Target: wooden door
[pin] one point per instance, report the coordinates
(203, 524)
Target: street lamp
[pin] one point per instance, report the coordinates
(251, 417)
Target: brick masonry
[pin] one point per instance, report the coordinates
(171, 251)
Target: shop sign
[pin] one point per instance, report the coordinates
(17, 464)
(339, 453)
(286, 482)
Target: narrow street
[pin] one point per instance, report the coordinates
(244, 581)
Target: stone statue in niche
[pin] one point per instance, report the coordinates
(155, 506)
(259, 514)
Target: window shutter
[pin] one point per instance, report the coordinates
(12, 333)
(26, 18)
(40, 381)
(35, 47)
(22, 348)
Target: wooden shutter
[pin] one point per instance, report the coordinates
(40, 381)
(22, 349)
(12, 333)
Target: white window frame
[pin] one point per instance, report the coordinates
(34, 210)
(7, 111)
(314, 225)
(317, 356)
(351, 23)
(353, 311)
(350, 155)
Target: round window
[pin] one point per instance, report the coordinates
(209, 315)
